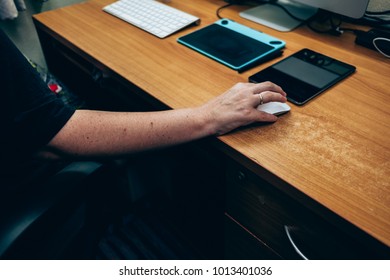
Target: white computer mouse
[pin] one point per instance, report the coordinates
(275, 108)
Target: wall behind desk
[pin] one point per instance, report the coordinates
(378, 5)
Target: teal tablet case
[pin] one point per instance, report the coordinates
(232, 44)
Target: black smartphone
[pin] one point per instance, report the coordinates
(305, 74)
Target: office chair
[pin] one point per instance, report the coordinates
(60, 219)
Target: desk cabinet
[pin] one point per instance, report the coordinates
(282, 227)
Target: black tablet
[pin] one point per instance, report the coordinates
(304, 74)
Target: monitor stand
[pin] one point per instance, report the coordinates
(276, 18)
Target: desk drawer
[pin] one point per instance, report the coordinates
(290, 229)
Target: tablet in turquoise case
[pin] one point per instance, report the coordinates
(232, 44)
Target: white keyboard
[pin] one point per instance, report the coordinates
(154, 17)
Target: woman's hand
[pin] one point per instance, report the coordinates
(238, 106)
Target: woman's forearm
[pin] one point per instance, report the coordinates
(103, 134)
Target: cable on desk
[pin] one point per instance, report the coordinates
(377, 46)
(370, 41)
(238, 2)
(221, 8)
(325, 22)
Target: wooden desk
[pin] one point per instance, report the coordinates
(331, 155)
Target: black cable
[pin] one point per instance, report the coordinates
(233, 2)
(221, 8)
(356, 32)
(260, 2)
(332, 27)
(353, 30)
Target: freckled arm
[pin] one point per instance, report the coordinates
(100, 134)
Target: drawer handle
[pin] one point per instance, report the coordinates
(287, 229)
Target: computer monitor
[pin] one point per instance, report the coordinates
(274, 17)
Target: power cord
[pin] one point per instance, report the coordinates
(238, 2)
(374, 39)
(221, 8)
(325, 23)
(376, 43)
